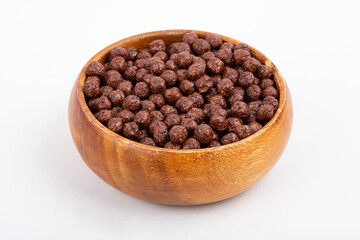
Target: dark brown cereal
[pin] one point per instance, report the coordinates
(117, 97)
(243, 131)
(178, 134)
(240, 109)
(131, 130)
(142, 118)
(156, 46)
(270, 91)
(167, 109)
(253, 108)
(126, 87)
(257, 81)
(216, 110)
(160, 133)
(172, 95)
(178, 47)
(191, 143)
(140, 74)
(140, 63)
(264, 71)
(148, 141)
(254, 126)
(242, 46)
(157, 85)
(241, 55)
(200, 46)
(215, 65)
(231, 74)
(219, 123)
(115, 112)
(184, 60)
(98, 104)
(265, 112)
(156, 115)
(161, 55)
(219, 100)
(170, 77)
(92, 87)
(189, 124)
(119, 52)
(130, 63)
(237, 94)
(183, 104)
(95, 69)
(187, 87)
(199, 60)
(253, 92)
(266, 82)
(171, 145)
(126, 116)
(225, 55)
(227, 45)
(214, 144)
(147, 105)
(204, 133)
(130, 73)
(229, 138)
(142, 90)
(157, 99)
(157, 67)
(132, 53)
(103, 116)
(131, 103)
(118, 64)
(113, 78)
(225, 86)
(143, 134)
(107, 66)
(212, 92)
(233, 123)
(197, 99)
(214, 40)
(206, 56)
(195, 71)
(171, 65)
(204, 84)
(144, 54)
(196, 114)
(190, 37)
(251, 64)
(272, 101)
(246, 79)
(115, 125)
(147, 78)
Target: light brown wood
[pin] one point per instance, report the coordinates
(177, 177)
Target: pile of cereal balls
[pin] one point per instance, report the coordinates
(198, 93)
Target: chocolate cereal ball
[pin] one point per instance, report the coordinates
(147, 105)
(131, 103)
(189, 124)
(130, 73)
(172, 95)
(270, 91)
(126, 87)
(206, 56)
(143, 134)
(214, 40)
(160, 133)
(204, 133)
(115, 125)
(225, 86)
(156, 46)
(227, 45)
(131, 130)
(184, 59)
(113, 78)
(140, 74)
(246, 79)
(253, 108)
(132, 53)
(264, 71)
(157, 67)
(240, 55)
(231, 74)
(119, 52)
(156, 115)
(182, 74)
(187, 87)
(161, 55)
(251, 64)
(225, 55)
(118, 64)
(272, 101)
(200, 46)
(229, 138)
(237, 94)
(196, 71)
(172, 120)
(219, 100)
(240, 109)
(103, 116)
(170, 77)
(233, 123)
(171, 145)
(157, 85)
(117, 97)
(142, 118)
(196, 114)
(191, 143)
(142, 90)
(178, 47)
(265, 112)
(253, 92)
(215, 65)
(190, 38)
(98, 104)
(219, 123)
(204, 84)
(91, 87)
(105, 91)
(167, 109)
(266, 82)
(126, 116)
(95, 69)
(255, 126)
(183, 104)
(242, 46)
(115, 112)
(243, 131)
(197, 99)
(144, 54)
(148, 141)
(214, 144)
(178, 134)
(157, 99)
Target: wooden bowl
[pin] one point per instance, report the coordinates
(177, 177)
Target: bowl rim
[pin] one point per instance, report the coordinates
(279, 81)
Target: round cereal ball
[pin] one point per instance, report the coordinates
(264, 71)
(227, 45)
(143, 134)
(270, 91)
(126, 116)
(115, 112)
(171, 65)
(147, 105)
(161, 55)
(189, 124)
(178, 47)
(253, 108)
(215, 65)
(172, 95)
(112, 78)
(156, 46)
(171, 145)
(266, 82)
(237, 94)
(214, 109)
(132, 53)
(195, 71)
(142, 90)
(95, 69)
(246, 79)
(225, 86)
(219, 100)
(229, 138)
(157, 99)
(144, 54)
(191, 143)
(170, 77)
(117, 97)
(184, 60)
(157, 66)
(172, 120)
(199, 60)
(147, 77)
(156, 116)
(105, 91)
(141, 63)
(255, 126)
(167, 109)
(206, 56)
(190, 38)
(91, 87)
(204, 133)
(272, 101)
(103, 116)
(253, 92)
(160, 134)
(140, 74)
(157, 85)
(243, 131)
(131, 130)
(119, 52)
(204, 84)
(178, 134)
(240, 55)
(214, 144)
(156, 124)
(118, 64)
(219, 123)
(197, 99)
(211, 92)
(98, 104)
(142, 118)
(130, 73)
(126, 87)
(214, 40)
(182, 74)
(240, 109)
(131, 103)
(115, 125)
(183, 104)
(233, 123)
(265, 112)
(200, 46)
(225, 55)
(196, 114)
(148, 141)
(242, 46)
(251, 64)
(231, 74)
(187, 87)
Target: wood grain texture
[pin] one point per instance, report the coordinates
(177, 177)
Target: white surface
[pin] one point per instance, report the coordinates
(47, 192)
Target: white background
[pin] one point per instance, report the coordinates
(47, 192)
